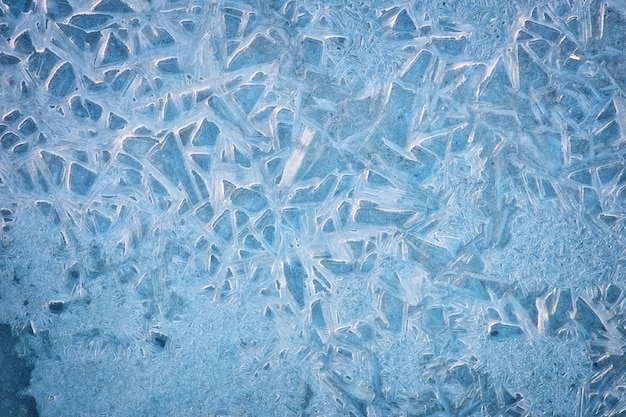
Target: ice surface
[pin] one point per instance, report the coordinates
(316, 208)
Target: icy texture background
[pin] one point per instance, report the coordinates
(316, 208)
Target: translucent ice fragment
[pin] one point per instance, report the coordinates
(248, 199)
(79, 37)
(292, 216)
(90, 21)
(560, 310)
(450, 46)
(201, 184)
(606, 173)
(252, 242)
(94, 109)
(78, 108)
(112, 6)
(613, 293)
(608, 134)
(122, 79)
(24, 178)
(404, 26)
(6, 59)
(168, 159)
(223, 226)
(12, 116)
(27, 126)
(205, 212)
(169, 66)
(315, 194)
(115, 122)
(241, 158)
(377, 216)
(56, 166)
(241, 218)
(81, 179)
(138, 146)
(170, 109)
(45, 208)
(539, 47)
(202, 160)
(317, 315)
(248, 95)
(58, 9)
(93, 85)
(434, 319)
(188, 25)
(206, 135)
(159, 37)
(8, 140)
(369, 263)
(156, 186)
(23, 148)
(184, 133)
(259, 51)
(101, 222)
(531, 74)
(63, 82)
(590, 199)
(18, 7)
(393, 310)
(608, 113)
(295, 277)
(397, 115)
(129, 161)
(583, 176)
(295, 160)
(432, 257)
(115, 51)
(223, 108)
(417, 71)
(377, 180)
(41, 64)
(542, 30)
(312, 50)
(232, 20)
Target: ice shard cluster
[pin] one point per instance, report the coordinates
(313, 208)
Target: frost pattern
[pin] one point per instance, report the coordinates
(289, 207)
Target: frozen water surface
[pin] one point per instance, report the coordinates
(312, 208)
